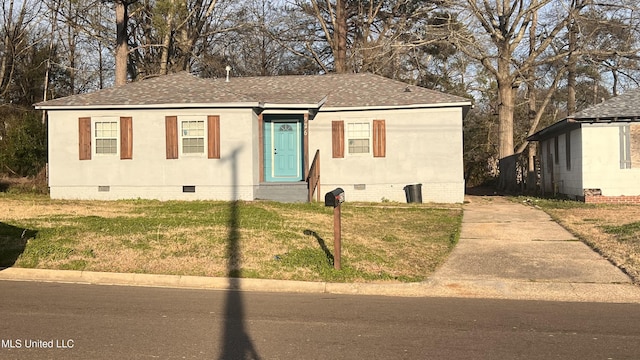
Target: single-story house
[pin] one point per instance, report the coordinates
(594, 155)
(183, 137)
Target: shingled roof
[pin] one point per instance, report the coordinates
(328, 91)
(624, 106)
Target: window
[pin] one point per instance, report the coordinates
(193, 136)
(625, 147)
(567, 143)
(359, 138)
(556, 150)
(358, 135)
(549, 157)
(106, 136)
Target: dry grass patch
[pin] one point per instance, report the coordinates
(611, 230)
(257, 239)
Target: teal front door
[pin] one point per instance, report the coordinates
(283, 151)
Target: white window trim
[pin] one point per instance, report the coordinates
(370, 138)
(94, 138)
(202, 118)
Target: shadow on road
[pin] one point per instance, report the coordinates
(236, 341)
(13, 241)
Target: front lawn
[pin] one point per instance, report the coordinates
(380, 242)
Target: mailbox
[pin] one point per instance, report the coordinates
(334, 197)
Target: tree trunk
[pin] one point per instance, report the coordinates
(572, 61)
(7, 58)
(340, 37)
(72, 38)
(122, 48)
(166, 42)
(506, 104)
(533, 108)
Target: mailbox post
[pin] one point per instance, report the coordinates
(335, 198)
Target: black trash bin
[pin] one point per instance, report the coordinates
(413, 193)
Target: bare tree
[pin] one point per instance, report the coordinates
(358, 35)
(17, 27)
(497, 43)
(122, 38)
(332, 19)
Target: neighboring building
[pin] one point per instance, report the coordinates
(182, 137)
(594, 155)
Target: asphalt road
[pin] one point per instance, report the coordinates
(111, 322)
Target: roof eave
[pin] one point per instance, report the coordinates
(289, 106)
(553, 129)
(395, 107)
(151, 106)
(606, 119)
(572, 122)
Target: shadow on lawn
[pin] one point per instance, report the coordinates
(4, 185)
(13, 241)
(322, 244)
(236, 341)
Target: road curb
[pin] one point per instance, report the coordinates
(153, 280)
(454, 288)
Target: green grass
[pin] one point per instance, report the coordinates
(394, 242)
(550, 203)
(626, 232)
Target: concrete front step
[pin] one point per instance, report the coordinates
(283, 192)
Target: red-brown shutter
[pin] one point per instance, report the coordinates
(213, 128)
(126, 138)
(379, 138)
(84, 126)
(337, 138)
(171, 125)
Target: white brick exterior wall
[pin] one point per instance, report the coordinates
(431, 192)
(164, 193)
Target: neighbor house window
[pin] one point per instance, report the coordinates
(625, 147)
(358, 137)
(567, 143)
(192, 136)
(106, 137)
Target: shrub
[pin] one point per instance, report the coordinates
(23, 150)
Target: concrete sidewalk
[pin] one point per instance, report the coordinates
(506, 251)
(514, 251)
